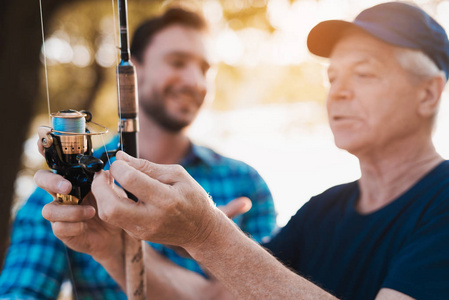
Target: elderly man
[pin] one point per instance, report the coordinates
(384, 236)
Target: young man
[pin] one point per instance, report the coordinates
(171, 62)
(384, 236)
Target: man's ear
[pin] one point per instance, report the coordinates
(431, 94)
(135, 62)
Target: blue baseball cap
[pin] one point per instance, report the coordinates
(397, 23)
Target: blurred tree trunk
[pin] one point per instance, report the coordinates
(20, 44)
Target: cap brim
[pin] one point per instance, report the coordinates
(322, 38)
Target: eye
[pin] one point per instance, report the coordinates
(365, 72)
(178, 63)
(204, 68)
(331, 75)
(365, 75)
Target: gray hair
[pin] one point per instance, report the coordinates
(418, 64)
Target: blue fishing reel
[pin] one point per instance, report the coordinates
(68, 151)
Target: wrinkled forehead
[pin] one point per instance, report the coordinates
(355, 45)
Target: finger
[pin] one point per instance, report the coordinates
(168, 174)
(68, 229)
(52, 183)
(137, 182)
(57, 212)
(112, 207)
(236, 207)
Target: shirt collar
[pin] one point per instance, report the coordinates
(198, 153)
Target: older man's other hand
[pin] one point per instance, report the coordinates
(172, 208)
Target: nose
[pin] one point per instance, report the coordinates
(194, 77)
(341, 89)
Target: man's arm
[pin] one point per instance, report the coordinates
(247, 269)
(182, 214)
(267, 278)
(389, 294)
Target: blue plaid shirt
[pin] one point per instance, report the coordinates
(37, 262)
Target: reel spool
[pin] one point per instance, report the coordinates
(68, 151)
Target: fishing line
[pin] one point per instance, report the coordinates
(45, 60)
(106, 150)
(72, 277)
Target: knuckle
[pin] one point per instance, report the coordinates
(107, 213)
(144, 164)
(77, 213)
(178, 170)
(59, 229)
(103, 215)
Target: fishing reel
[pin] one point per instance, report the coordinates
(68, 151)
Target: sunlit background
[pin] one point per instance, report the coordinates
(267, 104)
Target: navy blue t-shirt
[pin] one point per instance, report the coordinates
(403, 246)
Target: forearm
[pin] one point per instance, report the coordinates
(166, 280)
(114, 264)
(242, 266)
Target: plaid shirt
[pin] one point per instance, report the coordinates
(37, 262)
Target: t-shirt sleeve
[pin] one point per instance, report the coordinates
(285, 245)
(421, 268)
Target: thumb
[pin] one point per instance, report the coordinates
(109, 202)
(236, 207)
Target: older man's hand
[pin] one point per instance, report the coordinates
(172, 208)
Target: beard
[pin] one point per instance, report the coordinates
(154, 107)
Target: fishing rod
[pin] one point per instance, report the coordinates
(128, 130)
